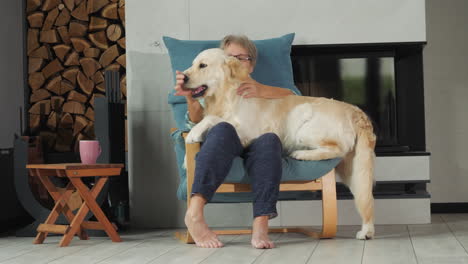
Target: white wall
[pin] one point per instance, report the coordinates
(446, 99)
(153, 174)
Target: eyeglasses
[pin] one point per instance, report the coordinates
(243, 57)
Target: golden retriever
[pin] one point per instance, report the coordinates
(310, 128)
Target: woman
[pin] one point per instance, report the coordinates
(262, 158)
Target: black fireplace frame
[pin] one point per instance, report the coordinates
(409, 83)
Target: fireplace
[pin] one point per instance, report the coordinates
(384, 80)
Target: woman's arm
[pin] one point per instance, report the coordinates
(195, 110)
(252, 88)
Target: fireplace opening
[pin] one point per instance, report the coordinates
(384, 80)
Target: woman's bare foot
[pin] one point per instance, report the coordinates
(195, 222)
(260, 237)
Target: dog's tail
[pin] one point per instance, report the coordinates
(357, 168)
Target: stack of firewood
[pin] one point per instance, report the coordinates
(70, 44)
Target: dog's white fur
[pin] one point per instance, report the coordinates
(310, 128)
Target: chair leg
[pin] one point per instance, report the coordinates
(329, 205)
(191, 150)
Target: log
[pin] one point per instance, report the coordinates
(64, 140)
(77, 97)
(49, 36)
(80, 44)
(123, 85)
(38, 110)
(66, 86)
(52, 68)
(99, 39)
(52, 121)
(50, 19)
(61, 51)
(81, 12)
(77, 2)
(72, 59)
(110, 11)
(80, 124)
(122, 60)
(63, 32)
(109, 55)
(70, 4)
(121, 3)
(90, 113)
(56, 103)
(66, 121)
(85, 84)
(113, 67)
(54, 85)
(122, 14)
(32, 5)
(101, 87)
(42, 52)
(33, 42)
(73, 107)
(121, 43)
(97, 23)
(34, 122)
(92, 52)
(39, 95)
(91, 102)
(36, 20)
(35, 64)
(114, 32)
(70, 74)
(50, 4)
(96, 5)
(89, 130)
(36, 80)
(98, 78)
(64, 18)
(90, 66)
(77, 29)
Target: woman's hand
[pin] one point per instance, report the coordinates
(179, 87)
(250, 89)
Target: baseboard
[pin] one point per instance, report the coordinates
(449, 208)
(309, 213)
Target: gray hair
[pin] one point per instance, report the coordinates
(242, 41)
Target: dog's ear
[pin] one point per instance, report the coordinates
(237, 70)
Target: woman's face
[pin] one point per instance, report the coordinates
(241, 53)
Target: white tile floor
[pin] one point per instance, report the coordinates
(443, 241)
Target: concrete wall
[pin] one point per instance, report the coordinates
(11, 70)
(446, 99)
(153, 175)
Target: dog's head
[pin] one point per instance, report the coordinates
(210, 72)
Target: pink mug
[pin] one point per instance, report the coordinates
(89, 151)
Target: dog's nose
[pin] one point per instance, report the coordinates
(186, 79)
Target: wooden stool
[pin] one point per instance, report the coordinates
(75, 172)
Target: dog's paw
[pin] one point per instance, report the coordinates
(298, 154)
(194, 137)
(367, 232)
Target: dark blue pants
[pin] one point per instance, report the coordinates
(262, 160)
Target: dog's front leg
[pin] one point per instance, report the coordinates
(198, 132)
